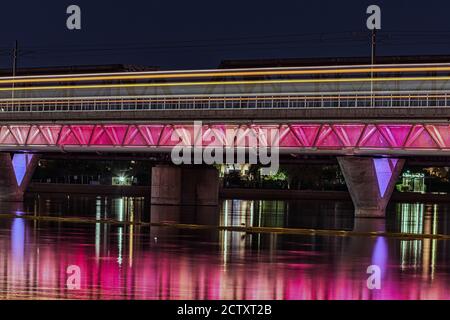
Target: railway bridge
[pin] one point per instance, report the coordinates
(372, 118)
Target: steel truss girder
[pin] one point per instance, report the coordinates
(297, 137)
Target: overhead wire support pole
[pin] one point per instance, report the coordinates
(372, 62)
(373, 23)
(14, 70)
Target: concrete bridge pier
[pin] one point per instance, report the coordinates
(370, 182)
(177, 185)
(16, 172)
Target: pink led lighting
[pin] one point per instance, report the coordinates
(328, 136)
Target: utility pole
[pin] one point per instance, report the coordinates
(15, 52)
(373, 23)
(14, 71)
(372, 62)
(374, 45)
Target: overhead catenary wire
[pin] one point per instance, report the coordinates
(271, 42)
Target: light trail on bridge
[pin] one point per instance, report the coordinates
(393, 86)
(223, 73)
(228, 83)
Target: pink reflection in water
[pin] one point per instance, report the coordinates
(33, 264)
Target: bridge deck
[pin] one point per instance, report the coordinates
(398, 115)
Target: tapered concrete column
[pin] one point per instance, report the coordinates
(200, 186)
(370, 182)
(15, 175)
(166, 185)
(175, 185)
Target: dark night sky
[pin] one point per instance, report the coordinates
(199, 34)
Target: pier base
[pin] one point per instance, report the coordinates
(174, 185)
(370, 182)
(15, 174)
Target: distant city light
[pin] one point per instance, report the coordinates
(408, 174)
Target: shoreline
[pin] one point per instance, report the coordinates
(229, 193)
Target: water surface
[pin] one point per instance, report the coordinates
(141, 262)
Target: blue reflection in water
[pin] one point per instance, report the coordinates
(380, 254)
(18, 239)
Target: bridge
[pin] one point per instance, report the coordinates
(372, 118)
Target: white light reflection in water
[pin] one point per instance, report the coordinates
(429, 245)
(119, 203)
(98, 212)
(434, 241)
(131, 235)
(418, 219)
(411, 221)
(224, 234)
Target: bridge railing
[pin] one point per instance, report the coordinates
(267, 101)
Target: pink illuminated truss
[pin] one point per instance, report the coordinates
(298, 136)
